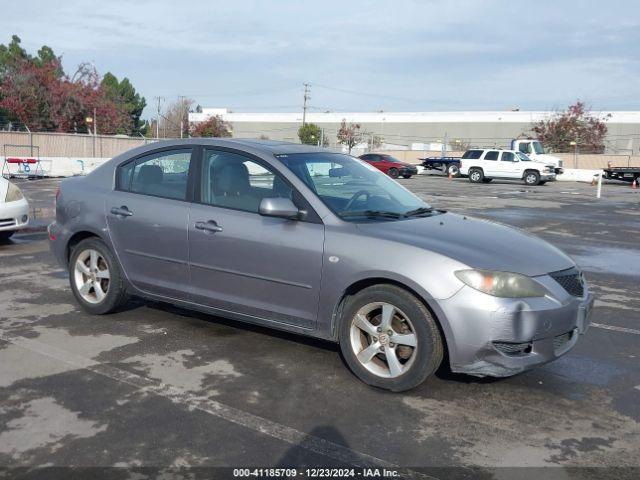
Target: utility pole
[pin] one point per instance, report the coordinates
(95, 130)
(159, 99)
(307, 88)
(182, 112)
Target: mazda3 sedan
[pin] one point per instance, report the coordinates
(319, 243)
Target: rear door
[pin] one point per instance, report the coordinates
(489, 164)
(147, 216)
(262, 267)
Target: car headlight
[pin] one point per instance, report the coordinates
(501, 284)
(13, 193)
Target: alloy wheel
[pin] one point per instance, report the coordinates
(383, 339)
(92, 276)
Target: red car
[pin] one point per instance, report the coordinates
(390, 165)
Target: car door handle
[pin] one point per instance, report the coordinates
(121, 211)
(209, 226)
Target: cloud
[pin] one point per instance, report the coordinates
(446, 55)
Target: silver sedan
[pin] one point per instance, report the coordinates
(319, 243)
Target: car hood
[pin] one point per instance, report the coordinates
(478, 243)
(548, 159)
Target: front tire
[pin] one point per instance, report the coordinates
(95, 276)
(394, 173)
(389, 338)
(476, 175)
(531, 178)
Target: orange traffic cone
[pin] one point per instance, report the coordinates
(593, 181)
(634, 185)
(450, 175)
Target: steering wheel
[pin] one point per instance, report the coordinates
(355, 196)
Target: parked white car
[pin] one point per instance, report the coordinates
(14, 209)
(483, 165)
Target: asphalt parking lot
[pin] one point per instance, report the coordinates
(157, 386)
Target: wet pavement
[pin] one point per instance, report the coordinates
(157, 386)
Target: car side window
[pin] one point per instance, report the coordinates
(472, 154)
(161, 174)
(234, 181)
(492, 155)
(508, 157)
(524, 147)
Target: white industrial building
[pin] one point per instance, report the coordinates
(421, 130)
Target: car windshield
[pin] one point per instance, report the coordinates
(523, 157)
(537, 147)
(353, 189)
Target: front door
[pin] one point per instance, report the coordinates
(509, 165)
(147, 216)
(261, 267)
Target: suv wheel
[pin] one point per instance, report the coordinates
(476, 175)
(96, 278)
(393, 172)
(389, 338)
(531, 177)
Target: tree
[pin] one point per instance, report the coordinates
(123, 94)
(215, 126)
(35, 91)
(34, 95)
(576, 124)
(311, 134)
(350, 135)
(175, 117)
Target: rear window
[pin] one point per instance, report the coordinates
(472, 154)
(492, 155)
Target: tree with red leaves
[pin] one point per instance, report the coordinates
(36, 92)
(576, 124)
(350, 135)
(214, 126)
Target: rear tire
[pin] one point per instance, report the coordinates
(389, 338)
(6, 235)
(531, 178)
(393, 172)
(96, 278)
(453, 170)
(476, 175)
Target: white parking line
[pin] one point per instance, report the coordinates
(217, 409)
(637, 387)
(616, 329)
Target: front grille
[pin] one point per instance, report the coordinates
(562, 341)
(571, 281)
(513, 349)
(7, 222)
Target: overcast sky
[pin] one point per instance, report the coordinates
(392, 55)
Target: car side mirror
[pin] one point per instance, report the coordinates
(279, 207)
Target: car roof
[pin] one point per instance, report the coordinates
(271, 146)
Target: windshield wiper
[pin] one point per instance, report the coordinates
(370, 214)
(419, 211)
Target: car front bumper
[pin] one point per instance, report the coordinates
(14, 215)
(548, 177)
(499, 337)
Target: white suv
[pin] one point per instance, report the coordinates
(483, 165)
